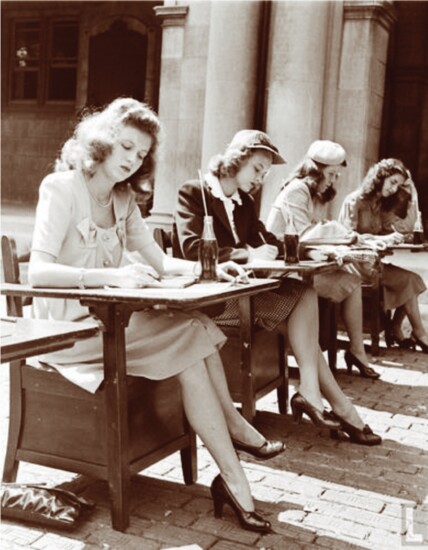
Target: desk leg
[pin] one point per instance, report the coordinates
(246, 324)
(115, 318)
(10, 470)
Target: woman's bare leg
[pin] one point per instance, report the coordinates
(205, 415)
(397, 321)
(412, 310)
(238, 427)
(334, 394)
(352, 315)
(302, 334)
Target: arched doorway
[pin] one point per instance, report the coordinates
(117, 64)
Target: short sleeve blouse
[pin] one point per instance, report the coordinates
(64, 229)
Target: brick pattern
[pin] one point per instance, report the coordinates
(321, 493)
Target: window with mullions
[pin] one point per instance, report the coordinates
(44, 61)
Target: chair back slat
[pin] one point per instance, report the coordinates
(12, 273)
(163, 238)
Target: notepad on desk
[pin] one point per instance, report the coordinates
(174, 281)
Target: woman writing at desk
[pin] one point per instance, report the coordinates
(305, 195)
(370, 211)
(85, 218)
(241, 236)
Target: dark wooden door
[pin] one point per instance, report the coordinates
(117, 64)
(405, 124)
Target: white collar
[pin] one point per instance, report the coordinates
(217, 190)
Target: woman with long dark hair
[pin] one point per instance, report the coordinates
(375, 210)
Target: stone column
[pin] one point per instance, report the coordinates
(173, 19)
(367, 26)
(207, 88)
(231, 84)
(302, 42)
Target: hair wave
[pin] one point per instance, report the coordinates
(96, 133)
(228, 164)
(376, 175)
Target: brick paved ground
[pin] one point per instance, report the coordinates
(320, 493)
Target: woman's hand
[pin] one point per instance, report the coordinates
(264, 252)
(381, 242)
(135, 275)
(394, 238)
(231, 271)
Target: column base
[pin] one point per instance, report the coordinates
(164, 220)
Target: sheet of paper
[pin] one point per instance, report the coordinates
(175, 281)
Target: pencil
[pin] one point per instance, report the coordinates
(262, 237)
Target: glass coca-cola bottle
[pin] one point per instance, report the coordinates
(291, 241)
(418, 230)
(208, 252)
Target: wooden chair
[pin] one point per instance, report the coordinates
(268, 370)
(57, 424)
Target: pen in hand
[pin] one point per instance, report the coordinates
(262, 237)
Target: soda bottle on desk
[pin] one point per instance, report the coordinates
(208, 252)
(418, 231)
(291, 241)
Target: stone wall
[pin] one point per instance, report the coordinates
(30, 144)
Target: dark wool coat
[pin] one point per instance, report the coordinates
(189, 219)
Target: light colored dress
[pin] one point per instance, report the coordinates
(159, 343)
(365, 216)
(296, 198)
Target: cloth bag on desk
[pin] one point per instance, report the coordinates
(328, 232)
(43, 505)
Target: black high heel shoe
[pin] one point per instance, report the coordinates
(268, 449)
(366, 372)
(249, 520)
(363, 436)
(404, 343)
(300, 405)
(419, 342)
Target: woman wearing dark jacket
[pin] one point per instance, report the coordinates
(293, 309)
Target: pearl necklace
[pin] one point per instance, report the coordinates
(100, 204)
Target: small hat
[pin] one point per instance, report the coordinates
(255, 139)
(327, 152)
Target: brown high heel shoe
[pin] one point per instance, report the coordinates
(366, 372)
(364, 436)
(249, 520)
(300, 405)
(268, 449)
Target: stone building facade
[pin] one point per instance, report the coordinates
(354, 71)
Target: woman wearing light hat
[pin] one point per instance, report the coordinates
(304, 195)
(241, 236)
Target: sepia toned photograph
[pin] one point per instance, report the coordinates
(214, 271)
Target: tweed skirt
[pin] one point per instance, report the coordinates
(270, 308)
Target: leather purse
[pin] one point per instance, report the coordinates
(43, 505)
